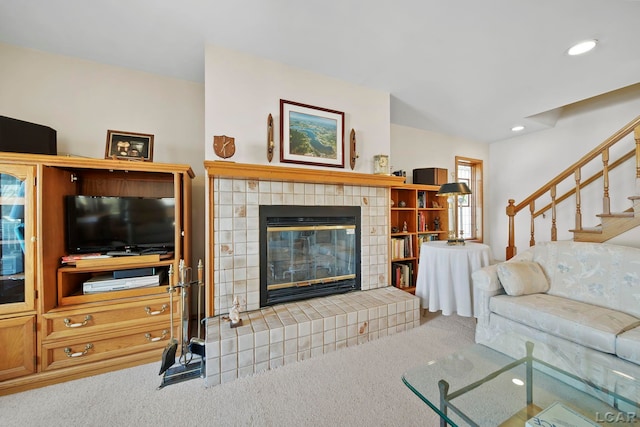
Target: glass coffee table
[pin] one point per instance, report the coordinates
(482, 387)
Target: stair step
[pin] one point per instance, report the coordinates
(633, 197)
(617, 215)
(592, 230)
(612, 225)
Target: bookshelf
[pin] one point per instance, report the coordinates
(417, 215)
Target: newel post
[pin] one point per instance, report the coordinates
(511, 212)
(636, 135)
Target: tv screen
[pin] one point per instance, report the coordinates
(103, 224)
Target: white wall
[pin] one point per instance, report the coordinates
(83, 99)
(521, 165)
(414, 149)
(241, 90)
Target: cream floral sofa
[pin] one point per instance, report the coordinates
(578, 302)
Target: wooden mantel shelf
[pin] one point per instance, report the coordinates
(219, 168)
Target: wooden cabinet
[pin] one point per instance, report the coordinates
(17, 277)
(55, 331)
(417, 215)
(17, 340)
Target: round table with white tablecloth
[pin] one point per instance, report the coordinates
(444, 275)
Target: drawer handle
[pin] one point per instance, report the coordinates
(70, 352)
(156, 339)
(155, 313)
(68, 324)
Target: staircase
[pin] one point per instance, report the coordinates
(612, 224)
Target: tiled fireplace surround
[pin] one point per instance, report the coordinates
(282, 334)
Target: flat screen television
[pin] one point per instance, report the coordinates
(104, 224)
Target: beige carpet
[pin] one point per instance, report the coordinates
(357, 386)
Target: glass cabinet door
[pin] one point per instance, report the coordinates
(17, 266)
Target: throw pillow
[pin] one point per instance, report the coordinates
(522, 278)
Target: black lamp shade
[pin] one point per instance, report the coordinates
(453, 189)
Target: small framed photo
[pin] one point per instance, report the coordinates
(311, 135)
(129, 146)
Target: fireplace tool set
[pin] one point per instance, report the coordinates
(192, 351)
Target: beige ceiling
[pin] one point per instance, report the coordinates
(469, 68)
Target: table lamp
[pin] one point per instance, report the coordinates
(454, 189)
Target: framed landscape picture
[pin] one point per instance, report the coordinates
(311, 135)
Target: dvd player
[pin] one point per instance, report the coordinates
(106, 283)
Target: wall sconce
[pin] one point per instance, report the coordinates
(454, 189)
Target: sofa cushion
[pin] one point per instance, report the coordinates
(628, 345)
(595, 273)
(589, 325)
(522, 278)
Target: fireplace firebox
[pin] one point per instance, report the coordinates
(308, 251)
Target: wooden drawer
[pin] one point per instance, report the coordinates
(72, 352)
(96, 319)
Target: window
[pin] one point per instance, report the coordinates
(469, 171)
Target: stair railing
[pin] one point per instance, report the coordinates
(575, 170)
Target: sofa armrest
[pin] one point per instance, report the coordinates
(486, 279)
(485, 285)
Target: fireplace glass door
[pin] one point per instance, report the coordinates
(308, 251)
(307, 255)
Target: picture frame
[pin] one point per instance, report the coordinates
(129, 146)
(311, 135)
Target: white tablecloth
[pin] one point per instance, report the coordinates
(444, 276)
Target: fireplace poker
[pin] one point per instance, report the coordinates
(169, 353)
(185, 282)
(197, 344)
(187, 369)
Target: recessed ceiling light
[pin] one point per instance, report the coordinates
(517, 128)
(582, 47)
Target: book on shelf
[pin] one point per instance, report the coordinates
(397, 248)
(401, 247)
(402, 274)
(422, 222)
(71, 259)
(422, 200)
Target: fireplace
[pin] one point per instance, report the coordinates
(235, 194)
(308, 251)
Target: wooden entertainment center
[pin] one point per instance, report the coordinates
(49, 330)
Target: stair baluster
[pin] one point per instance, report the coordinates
(578, 211)
(606, 202)
(554, 229)
(636, 134)
(511, 213)
(532, 208)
